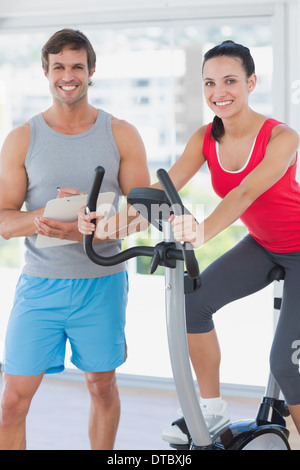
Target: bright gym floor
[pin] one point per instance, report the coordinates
(58, 418)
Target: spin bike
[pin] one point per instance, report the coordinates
(268, 431)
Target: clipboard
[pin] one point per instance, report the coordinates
(65, 209)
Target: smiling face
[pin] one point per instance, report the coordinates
(226, 86)
(68, 75)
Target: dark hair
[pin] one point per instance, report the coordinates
(71, 38)
(229, 49)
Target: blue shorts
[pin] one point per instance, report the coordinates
(90, 313)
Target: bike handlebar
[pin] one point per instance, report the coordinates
(188, 254)
(191, 263)
(88, 239)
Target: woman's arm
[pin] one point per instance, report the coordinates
(280, 154)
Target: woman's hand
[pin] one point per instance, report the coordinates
(187, 229)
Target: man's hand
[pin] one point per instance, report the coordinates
(65, 192)
(62, 230)
(85, 226)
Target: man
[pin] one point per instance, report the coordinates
(61, 294)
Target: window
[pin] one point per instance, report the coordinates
(150, 76)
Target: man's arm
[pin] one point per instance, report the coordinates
(133, 166)
(133, 173)
(13, 186)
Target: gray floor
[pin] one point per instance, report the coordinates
(59, 415)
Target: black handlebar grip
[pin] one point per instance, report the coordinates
(191, 262)
(170, 191)
(88, 239)
(91, 206)
(93, 195)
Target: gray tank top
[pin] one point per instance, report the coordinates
(55, 159)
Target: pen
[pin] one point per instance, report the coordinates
(80, 194)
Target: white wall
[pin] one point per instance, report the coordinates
(17, 15)
(36, 6)
(131, 10)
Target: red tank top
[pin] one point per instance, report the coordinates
(273, 219)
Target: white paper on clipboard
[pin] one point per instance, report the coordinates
(65, 209)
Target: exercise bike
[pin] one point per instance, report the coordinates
(268, 431)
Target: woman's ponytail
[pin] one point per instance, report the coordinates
(217, 129)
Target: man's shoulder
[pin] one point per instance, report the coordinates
(22, 128)
(121, 125)
(20, 132)
(17, 141)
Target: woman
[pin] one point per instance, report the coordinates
(252, 160)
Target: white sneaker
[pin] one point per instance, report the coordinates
(179, 434)
(215, 420)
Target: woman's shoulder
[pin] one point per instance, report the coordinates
(201, 132)
(279, 128)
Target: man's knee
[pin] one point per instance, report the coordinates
(102, 385)
(14, 407)
(16, 398)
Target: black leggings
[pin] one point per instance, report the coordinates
(238, 273)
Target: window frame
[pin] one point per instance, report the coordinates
(284, 17)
